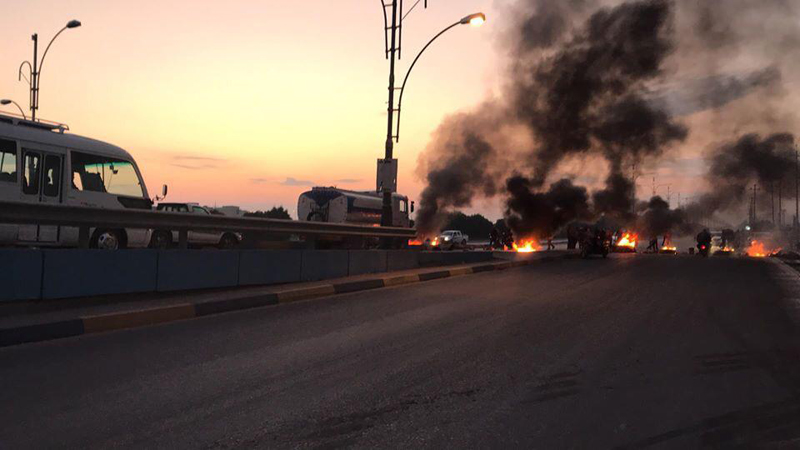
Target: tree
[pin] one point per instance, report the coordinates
(277, 212)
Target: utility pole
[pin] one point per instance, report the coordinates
(755, 210)
(780, 203)
(385, 184)
(35, 77)
(796, 191)
(772, 195)
(654, 186)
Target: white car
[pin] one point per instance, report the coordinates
(450, 239)
(165, 238)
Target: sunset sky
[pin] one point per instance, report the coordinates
(248, 102)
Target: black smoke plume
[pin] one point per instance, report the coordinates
(575, 90)
(735, 167)
(546, 212)
(588, 82)
(659, 219)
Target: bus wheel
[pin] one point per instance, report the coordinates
(161, 239)
(107, 240)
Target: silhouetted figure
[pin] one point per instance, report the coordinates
(653, 247)
(704, 239)
(550, 245)
(508, 240)
(494, 238)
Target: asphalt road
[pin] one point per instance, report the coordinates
(633, 351)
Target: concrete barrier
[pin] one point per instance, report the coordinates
(63, 273)
(197, 269)
(257, 267)
(20, 274)
(430, 259)
(324, 264)
(401, 260)
(83, 273)
(366, 261)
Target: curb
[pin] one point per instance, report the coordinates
(173, 313)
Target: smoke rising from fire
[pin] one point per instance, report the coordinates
(591, 79)
(736, 166)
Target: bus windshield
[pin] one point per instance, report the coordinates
(105, 174)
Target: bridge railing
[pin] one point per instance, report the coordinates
(89, 217)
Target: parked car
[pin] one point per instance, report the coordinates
(450, 239)
(165, 238)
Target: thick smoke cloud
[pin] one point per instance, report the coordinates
(587, 96)
(604, 80)
(736, 166)
(658, 219)
(544, 212)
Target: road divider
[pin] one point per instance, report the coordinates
(51, 274)
(229, 301)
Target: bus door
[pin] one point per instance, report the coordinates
(42, 172)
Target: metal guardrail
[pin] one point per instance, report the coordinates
(89, 217)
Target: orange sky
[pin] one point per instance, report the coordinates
(226, 101)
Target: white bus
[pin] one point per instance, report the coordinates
(41, 163)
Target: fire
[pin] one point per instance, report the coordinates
(669, 248)
(757, 249)
(627, 240)
(418, 241)
(527, 246)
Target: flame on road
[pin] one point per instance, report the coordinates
(757, 249)
(669, 248)
(627, 240)
(526, 246)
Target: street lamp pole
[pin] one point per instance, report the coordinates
(387, 167)
(36, 67)
(386, 210)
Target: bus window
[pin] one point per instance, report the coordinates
(52, 175)
(104, 174)
(403, 206)
(30, 184)
(8, 161)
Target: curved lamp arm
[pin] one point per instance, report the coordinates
(70, 24)
(30, 71)
(6, 101)
(478, 18)
(41, 63)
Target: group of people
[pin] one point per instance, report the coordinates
(505, 239)
(653, 245)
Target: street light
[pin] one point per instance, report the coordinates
(35, 69)
(475, 20)
(387, 167)
(6, 101)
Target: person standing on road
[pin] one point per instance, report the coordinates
(550, 245)
(653, 247)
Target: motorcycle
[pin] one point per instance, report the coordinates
(703, 249)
